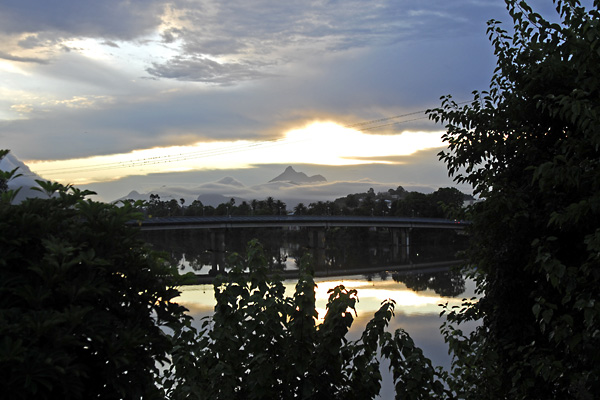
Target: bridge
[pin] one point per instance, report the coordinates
(280, 221)
(399, 228)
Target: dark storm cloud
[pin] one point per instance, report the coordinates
(115, 19)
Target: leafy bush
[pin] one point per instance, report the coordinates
(83, 304)
(260, 344)
(530, 147)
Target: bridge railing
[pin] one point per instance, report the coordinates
(205, 222)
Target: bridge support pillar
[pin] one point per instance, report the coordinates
(217, 244)
(316, 244)
(401, 244)
(405, 233)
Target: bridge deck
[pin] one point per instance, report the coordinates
(268, 221)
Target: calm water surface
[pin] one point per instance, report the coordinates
(417, 309)
(394, 273)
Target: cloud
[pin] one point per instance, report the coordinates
(226, 70)
(110, 43)
(421, 172)
(10, 57)
(22, 108)
(114, 19)
(265, 36)
(290, 193)
(199, 69)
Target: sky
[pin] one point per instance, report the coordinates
(119, 95)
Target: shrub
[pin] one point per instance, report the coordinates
(83, 303)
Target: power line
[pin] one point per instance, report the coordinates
(170, 158)
(385, 119)
(146, 161)
(392, 123)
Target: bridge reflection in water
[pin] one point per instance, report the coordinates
(330, 239)
(355, 252)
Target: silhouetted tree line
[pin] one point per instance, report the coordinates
(443, 203)
(155, 207)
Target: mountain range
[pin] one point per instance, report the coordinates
(227, 188)
(291, 186)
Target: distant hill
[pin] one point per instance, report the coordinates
(230, 181)
(290, 175)
(291, 187)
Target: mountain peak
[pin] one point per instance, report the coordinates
(230, 181)
(290, 175)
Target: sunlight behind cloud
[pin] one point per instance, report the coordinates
(90, 48)
(320, 143)
(11, 67)
(332, 144)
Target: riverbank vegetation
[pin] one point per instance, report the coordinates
(442, 203)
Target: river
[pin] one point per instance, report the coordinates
(419, 284)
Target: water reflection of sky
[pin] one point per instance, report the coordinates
(416, 312)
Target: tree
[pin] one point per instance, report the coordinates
(270, 204)
(300, 209)
(367, 206)
(318, 208)
(5, 177)
(243, 209)
(280, 208)
(448, 201)
(156, 207)
(195, 209)
(83, 303)
(352, 201)
(173, 208)
(381, 207)
(530, 147)
(415, 204)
